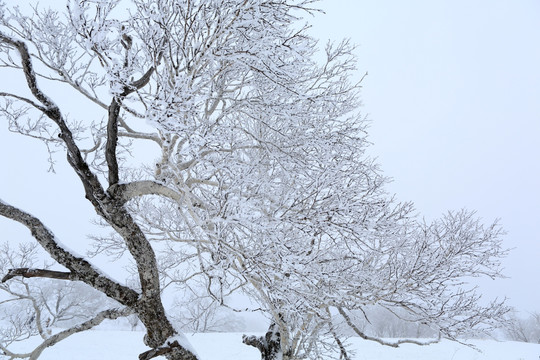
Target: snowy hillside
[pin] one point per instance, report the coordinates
(127, 345)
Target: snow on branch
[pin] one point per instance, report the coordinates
(128, 191)
(80, 268)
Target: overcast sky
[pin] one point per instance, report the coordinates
(453, 92)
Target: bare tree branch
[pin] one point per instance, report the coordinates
(342, 350)
(126, 192)
(50, 108)
(112, 124)
(44, 273)
(381, 341)
(94, 191)
(21, 98)
(80, 268)
(110, 314)
(112, 140)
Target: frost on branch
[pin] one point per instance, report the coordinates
(261, 184)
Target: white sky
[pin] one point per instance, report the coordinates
(453, 92)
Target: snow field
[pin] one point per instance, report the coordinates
(127, 345)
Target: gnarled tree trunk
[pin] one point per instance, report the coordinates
(110, 206)
(269, 345)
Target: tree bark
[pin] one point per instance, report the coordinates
(30, 273)
(269, 345)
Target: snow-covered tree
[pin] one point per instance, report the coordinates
(261, 184)
(520, 328)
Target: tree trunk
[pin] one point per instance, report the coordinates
(269, 345)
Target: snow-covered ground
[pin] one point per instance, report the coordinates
(127, 345)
